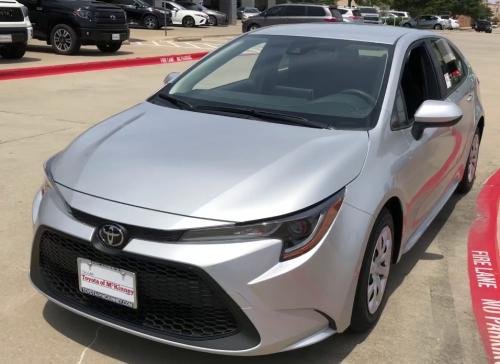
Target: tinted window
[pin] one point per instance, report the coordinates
(368, 10)
(343, 11)
(275, 11)
(356, 13)
(453, 69)
(295, 10)
(334, 82)
(315, 11)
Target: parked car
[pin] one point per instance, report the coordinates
(15, 29)
(370, 15)
(67, 25)
(214, 17)
(245, 12)
(482, 25)
(293, 13)
(185, 17)
(427, 22)
(258, 202)
(453, 21)
(141, 13)
(350, 15)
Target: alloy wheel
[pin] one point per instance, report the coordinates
(379, 269)
(62, 40)
(473, 158)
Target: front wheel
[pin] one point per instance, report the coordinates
(64, 39)
(371, 291)
(469, 176)
(109, 47)
(407, 25)
(188, 22)
(13, 51)
(212, 20)
(253, 27)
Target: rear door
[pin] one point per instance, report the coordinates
(458, 84)
(296, 14)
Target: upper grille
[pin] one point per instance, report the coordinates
(173, 300)
(11, 14)
(109, 17)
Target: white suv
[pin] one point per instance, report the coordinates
(350, 15)
(15, 29)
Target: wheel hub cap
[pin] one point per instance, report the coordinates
(379, 269)
(473, 157)
(62, 39)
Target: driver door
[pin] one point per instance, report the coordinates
(275, 15)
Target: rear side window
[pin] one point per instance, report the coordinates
(452, 67)
(295, 10)
(315, 11)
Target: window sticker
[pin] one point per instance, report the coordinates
(447, 80)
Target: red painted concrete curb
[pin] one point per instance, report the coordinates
(484, 266)
(16, 73)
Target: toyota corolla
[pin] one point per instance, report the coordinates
(258, 201)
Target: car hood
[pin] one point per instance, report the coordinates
(209, 166)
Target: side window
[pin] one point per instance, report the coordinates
(275, 11)
(294, 10)
(418, 81)
(452, 67)
(399, 119)
(316, 11)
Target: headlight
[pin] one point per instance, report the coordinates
(84, 14)
(49, 184)
(299, 232)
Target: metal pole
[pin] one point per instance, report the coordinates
(165, 17)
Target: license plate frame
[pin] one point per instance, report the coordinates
(108, 283)
(115, 36)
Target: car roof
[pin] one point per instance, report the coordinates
(354, 32)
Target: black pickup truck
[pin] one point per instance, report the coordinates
(68, 24)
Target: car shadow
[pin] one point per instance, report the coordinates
(132, 349)
(90, 52)
(18, 61)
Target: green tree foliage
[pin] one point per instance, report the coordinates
(474, 8)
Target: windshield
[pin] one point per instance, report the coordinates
(334, 82)
(368, 10)
(251, 10)
(142, 4)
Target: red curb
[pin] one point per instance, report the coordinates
(16, 73)
(484, 268)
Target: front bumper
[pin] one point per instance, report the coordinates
(92, 36)
(289, 304)
(18, 35)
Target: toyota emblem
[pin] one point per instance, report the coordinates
(112, 17)
(112, 235)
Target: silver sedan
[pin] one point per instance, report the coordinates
(258, 201)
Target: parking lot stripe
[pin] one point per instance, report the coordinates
(484, 268)
(16, 73)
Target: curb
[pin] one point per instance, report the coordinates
(17, 73)
(484, 266)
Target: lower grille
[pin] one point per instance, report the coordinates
(11, 14)
(173, 300)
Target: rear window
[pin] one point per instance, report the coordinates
(315, 11)
(295, 10)
(356, 13)
(343, 11)
(368, 10)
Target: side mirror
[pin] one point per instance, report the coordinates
(171, 77)
(435, 114)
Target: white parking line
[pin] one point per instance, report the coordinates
(174, 44)
(193, 45)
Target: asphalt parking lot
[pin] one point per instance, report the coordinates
(428, 318)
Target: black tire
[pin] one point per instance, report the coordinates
(13, 51)
(109, 47)
(253, 26)
(150, 22)
(212, 20)
(188, 22)
(488, 31)
(438, 27)
(407, 25)
(362, 319)
(64, 39)
(469, 176)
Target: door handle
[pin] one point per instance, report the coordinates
(469, 97)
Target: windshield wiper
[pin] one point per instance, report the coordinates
(264, 115)
(181, 104)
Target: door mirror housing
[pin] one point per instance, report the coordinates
(435, 114)
(171, 77)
